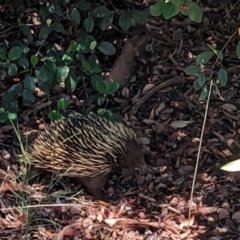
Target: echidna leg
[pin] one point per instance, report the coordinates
(95, 184)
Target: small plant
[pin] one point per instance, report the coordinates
(198, 70)
(58, 113)
(34, 62)
(171, 8)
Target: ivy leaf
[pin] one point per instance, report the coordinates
(34, 60)
(204, 57)
(107, 48)
(194, 13)
(201, 79)
(101, 87)
(58, 27)
(101, 100)
(24, 62)
(192, 70)
(14, 53)
(204, 93)
(44, 32)
(28, 98)
(125, 21)
(222, 77)
(168, 10)
(71, 81)
(62, 104)
(156, 9)
(94, 79)
(3, 53)
(62, 73)
(54, 115)
(75, 16)
(12, 69)
(29, 83)
(139, 16)
(83, 5)
(88, 24)
(112, 87)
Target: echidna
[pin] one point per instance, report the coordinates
(88, 148)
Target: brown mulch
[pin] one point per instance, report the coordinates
(159, 102)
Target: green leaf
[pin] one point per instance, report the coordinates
(23, 62)
(196, 86)
(101, 87)
(88, 24)
(55, 8)
(3, 53)
(107, 48)
(75, 16)
(25, 49)
(34, 60)
(14, 53)
(12, 116)
(96, 70)
(101, 100)
(204, 57)
(28, 98)
(86, 65)
(222, 77)
(26, 30)
(3, 117)
(58, 27)
(51, 66)
(29, 83)
(156, 9)
(49, 22)
(62, 104)
(100, 12)
(201, 79)
(44, 33)
(204, 93)
(44, 13)
(55, 115)
(89, 40)
(168, 10)
(62, 73)
(216, 51)
(194, 12)
(11, 93)
(125, 21)
(79, 57)
(237, 50)
(83, 5)
(94, 79)
(93, 45)
(192, 70)
(139, 16)
(66, 58)
(71, 81)
(111, 87)
(45, 78)
(12, 69)
(106, 21)
(74, 46)
(93, 60)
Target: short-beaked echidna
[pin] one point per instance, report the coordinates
(88, 148)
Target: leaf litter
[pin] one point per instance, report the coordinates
(159, 102)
